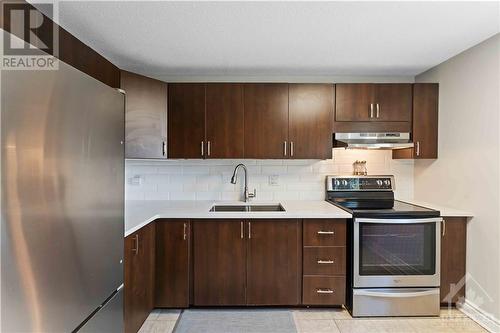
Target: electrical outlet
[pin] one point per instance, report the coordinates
(274, 180)
(135, 181)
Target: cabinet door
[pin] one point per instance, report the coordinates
(224, 117)
(273, 262)
(219, 262)
(186, 120)
(353, 102)
(453, 250)
(145, 116)
(139, 277)
(425, 123)
(172, 263)
(311, 120)
(393, 102)
(266, 120)
(425, 120)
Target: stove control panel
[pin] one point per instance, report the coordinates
(360, 183)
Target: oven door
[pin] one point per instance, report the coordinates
(397, 252)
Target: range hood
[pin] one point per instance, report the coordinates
(388, 140)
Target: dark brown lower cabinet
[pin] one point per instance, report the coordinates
(255, 262)
(324, 262)
(273, 262)
(324, 290)
(219, 262)
(139, 277)
(172, 263)
(453, 249)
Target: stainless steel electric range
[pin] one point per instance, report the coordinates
(394, 257)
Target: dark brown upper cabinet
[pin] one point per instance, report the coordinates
(266, 120)
(224, 120)
(425, 123)
(186, 120)
(145, 116)
(384, 102)
(354, 102)
(393, 101)
(310, 120)
(172, 263)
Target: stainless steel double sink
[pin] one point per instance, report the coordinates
(247, 208)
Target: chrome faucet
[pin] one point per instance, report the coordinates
(246, 194)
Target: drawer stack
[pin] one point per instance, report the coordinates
(324, 262)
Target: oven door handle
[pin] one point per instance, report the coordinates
(395, 294)
(397, 220)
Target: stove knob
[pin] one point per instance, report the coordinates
(337, 183)
(379, 182)
(344, 182)
(387, 182)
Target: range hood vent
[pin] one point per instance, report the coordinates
(388, 140)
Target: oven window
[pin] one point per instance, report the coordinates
(397, 249)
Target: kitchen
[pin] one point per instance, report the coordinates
(192, 173)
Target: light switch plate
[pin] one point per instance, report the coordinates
(274, 180)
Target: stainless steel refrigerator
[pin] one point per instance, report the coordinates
(62, 198)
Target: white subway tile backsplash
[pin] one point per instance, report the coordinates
(208, 196)
(299, 169)
(274, 170)
(312, 195)
(296, 179)
(198, 170)
(230, 196)
(269, 162)
(179, 195)
(287, 195)
(171, 169)
(304, 186)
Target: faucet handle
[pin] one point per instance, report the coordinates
(252, 195)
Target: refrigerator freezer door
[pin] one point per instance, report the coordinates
(62, 167)
(109, 319)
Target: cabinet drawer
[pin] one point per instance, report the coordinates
(324, 261)
(323, 290)
(324, 232)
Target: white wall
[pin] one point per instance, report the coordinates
(298, 179)
(466, 174)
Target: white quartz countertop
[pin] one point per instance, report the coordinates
(140, 213)
(444, 210)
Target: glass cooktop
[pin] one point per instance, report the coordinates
(363, 208)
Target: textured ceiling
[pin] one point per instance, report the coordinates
(162, 39)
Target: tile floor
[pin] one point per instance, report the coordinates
(339, 321)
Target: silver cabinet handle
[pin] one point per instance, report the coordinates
(378, 110)
(208, 148)
(185, 234)
(321, 232)
(203, 148)
(291, 148)
(443, 232)
(249, 230)
(284, 148)
(371, 110)
(241, 232)
(164, 148)
(326, 261)
(136, 242)
(324, 291)
(418, 148)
